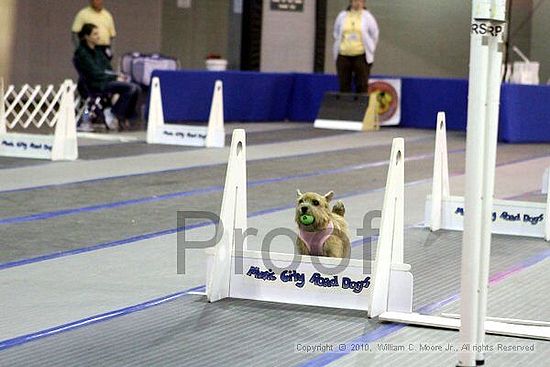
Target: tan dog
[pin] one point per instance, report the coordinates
(322, 232)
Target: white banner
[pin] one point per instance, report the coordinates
(509, 217)
(26, 145)
(302, 283)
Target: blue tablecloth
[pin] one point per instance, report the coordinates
(524, 113)
(253, 96)
(423, 98)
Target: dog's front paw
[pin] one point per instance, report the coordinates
(339, 208)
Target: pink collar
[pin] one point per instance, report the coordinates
(314, 241)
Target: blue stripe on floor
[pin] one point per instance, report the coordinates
(96, 318)
(60, 185)
(201, 191)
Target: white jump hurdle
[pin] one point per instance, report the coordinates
(389, 287)
(211, 136)
(443, 211)
(38, 106)
(387, 292)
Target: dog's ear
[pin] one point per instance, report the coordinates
(298, 193)
(329, 195)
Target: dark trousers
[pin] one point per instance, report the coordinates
(356, 68)
(125, 106)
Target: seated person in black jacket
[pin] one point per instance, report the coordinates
(99, 76)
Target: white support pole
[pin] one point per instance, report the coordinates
(65, 145)
(233, 216)
(155, 120)
(390, 242)
(546, 181)
(440, 182)
(215, 137)
(58, 145)
(469, 280)
(496, 49)
(506, 327)
(506, 320)
(71, 143)
(480, 157)
(3, 129)
(399, 220)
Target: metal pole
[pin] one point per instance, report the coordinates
(507, 39)
(496, 49)
(480, 152)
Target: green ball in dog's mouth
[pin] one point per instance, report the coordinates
(307, 219)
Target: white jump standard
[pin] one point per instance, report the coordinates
(443, 211)
(158, 132)
(241, 273)
(39, 107)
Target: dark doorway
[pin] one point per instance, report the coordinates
(251, 41)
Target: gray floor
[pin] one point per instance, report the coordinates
(104, 151)
(191, 332)
(187, 330)
(200, 188)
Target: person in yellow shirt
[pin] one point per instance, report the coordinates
(96, 14)
(355, 39)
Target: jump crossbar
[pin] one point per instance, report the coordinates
(516, 329)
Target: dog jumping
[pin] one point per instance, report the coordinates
(322, 232)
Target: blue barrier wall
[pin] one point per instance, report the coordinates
(248, 96)
(524, 113)
(423, 98)
(307, 95)
(252, 96)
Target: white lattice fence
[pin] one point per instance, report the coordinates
(80, 105)
(38, 108)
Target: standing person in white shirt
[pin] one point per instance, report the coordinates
(96, 14)
(355, 39)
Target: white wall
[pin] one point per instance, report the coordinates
(191, 34)
(540, 45)
(420, 37)
(7, 33)
(42, 49)
(288, 39)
